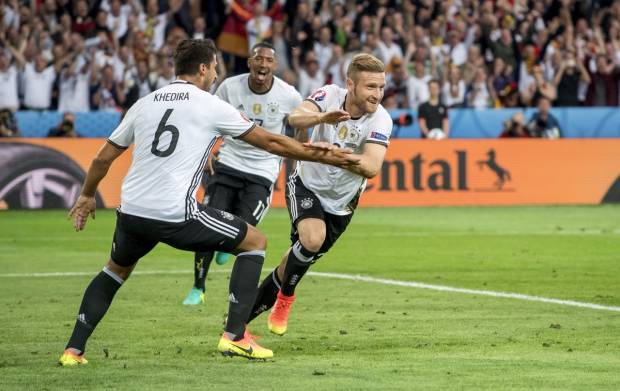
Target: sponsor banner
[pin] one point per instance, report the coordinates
(47, 173)
(495, 172)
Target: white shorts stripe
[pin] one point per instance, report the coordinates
(291, 195)
(221, 224)
(216, 229)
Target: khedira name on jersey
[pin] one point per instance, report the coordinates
(170, 96)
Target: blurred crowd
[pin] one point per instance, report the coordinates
(82, 55)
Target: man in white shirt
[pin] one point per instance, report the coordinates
(8, 83)
(321, 199)
(417, 87)
(310, 76)
(242, 178)
(74, 89)
(259, 27)
(39, 80)
(386, 46)
(173, 131)
(324, 48)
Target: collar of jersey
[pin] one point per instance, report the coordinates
(273, 81)
(181, 81)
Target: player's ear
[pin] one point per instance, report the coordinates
(350, 84)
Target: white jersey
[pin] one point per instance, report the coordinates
(174, 130)
(335, 187)
(268, 110)
(8, 89)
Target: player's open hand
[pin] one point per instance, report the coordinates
(84, 207)
(335, 116)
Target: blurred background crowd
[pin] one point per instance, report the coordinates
(80, 55)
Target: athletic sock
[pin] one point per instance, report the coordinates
(267, 294)
(297, 264)
(202, 261)
(242, 291)
(96, 301)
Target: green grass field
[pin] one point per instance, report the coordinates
(343, 334)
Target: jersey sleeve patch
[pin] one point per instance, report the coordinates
(318, 95)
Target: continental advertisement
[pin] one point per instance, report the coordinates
(47, 173)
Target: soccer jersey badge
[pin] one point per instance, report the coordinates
(306, 203)
(272, 108)
(342, 133)
(227, 215)
(257, 108)
(354, 135)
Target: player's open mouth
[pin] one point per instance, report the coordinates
(261, 75)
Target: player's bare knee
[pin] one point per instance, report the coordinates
(312, 240)
(121, 271)
(254, 240)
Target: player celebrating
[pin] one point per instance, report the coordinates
(321, 199)
(173, 131)
(243, 176)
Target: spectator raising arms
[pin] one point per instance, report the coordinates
(486, 54)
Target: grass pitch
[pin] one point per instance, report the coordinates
(343, 335)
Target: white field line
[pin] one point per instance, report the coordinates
(362, 278)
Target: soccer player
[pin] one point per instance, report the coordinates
(173, 131)
(321, 199)
(243, 176)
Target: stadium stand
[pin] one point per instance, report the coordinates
(97, 57)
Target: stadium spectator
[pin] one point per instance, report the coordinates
(603, 90)
(453, 90)
(74, 86)
(8, 83)
(515, 127)
(539, 87)
(38, 78)
(310, 76)
(106, 93)
(570, 75)
(543, 124)
(517, 45)
(396, 84)
(66, 128)
(8, 125)
(387, 48)
(259, 27)
(417, 88)
(323, 48)
(479, 91)
(502, 80)
(432, 115)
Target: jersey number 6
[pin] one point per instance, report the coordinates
(160, 130)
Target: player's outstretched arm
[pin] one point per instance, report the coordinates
(85, 204)
(371, 160)
(307, 115)
(290, 148)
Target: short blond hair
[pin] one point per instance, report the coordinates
(364, 63)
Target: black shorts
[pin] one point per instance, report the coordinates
(210, 230)
(244, 195)
(302, 203)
